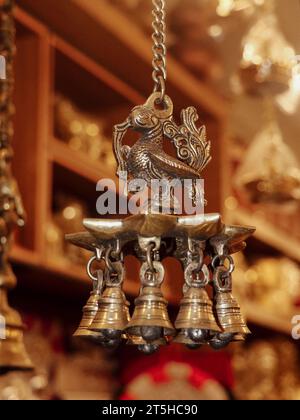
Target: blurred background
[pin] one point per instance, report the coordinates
(80, 67)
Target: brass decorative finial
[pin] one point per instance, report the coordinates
(13, 355)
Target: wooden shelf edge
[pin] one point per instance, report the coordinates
(70, 272)
(77, 162)
(97, 70)
(268, 233)
(25, 256)
(256, 314)
(30, 22)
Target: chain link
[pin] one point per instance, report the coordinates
(159, 62)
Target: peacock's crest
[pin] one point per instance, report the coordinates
(190, 142)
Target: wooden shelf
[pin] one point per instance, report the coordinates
(24, 256)
(117, 41)
(118, 24)
(78, 163)
(97, 71)
(268, 233)
(256, 314)
(77, 273)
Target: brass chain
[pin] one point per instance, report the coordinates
(159, 62)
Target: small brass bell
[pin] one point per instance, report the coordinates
(196, 312)
(229, 314)
(90, 311)
(13, 355)
(228, 311)
(150, 319)
(196, 319)
(112, 315)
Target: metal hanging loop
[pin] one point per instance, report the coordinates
(220, 260)
(97, 257)
(159, 49)
(195, 275)
(115, 272)
(152, 278)
(222, 280)
(149, 257)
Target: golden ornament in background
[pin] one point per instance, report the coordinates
(268, 59)
(273, 283)
(67, 215)
(82, 132)
(270, 172)
(267, 370)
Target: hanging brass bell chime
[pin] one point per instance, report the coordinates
(160, 229)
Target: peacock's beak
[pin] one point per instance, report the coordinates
(129, 122)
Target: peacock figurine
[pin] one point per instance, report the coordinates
(146, 159)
